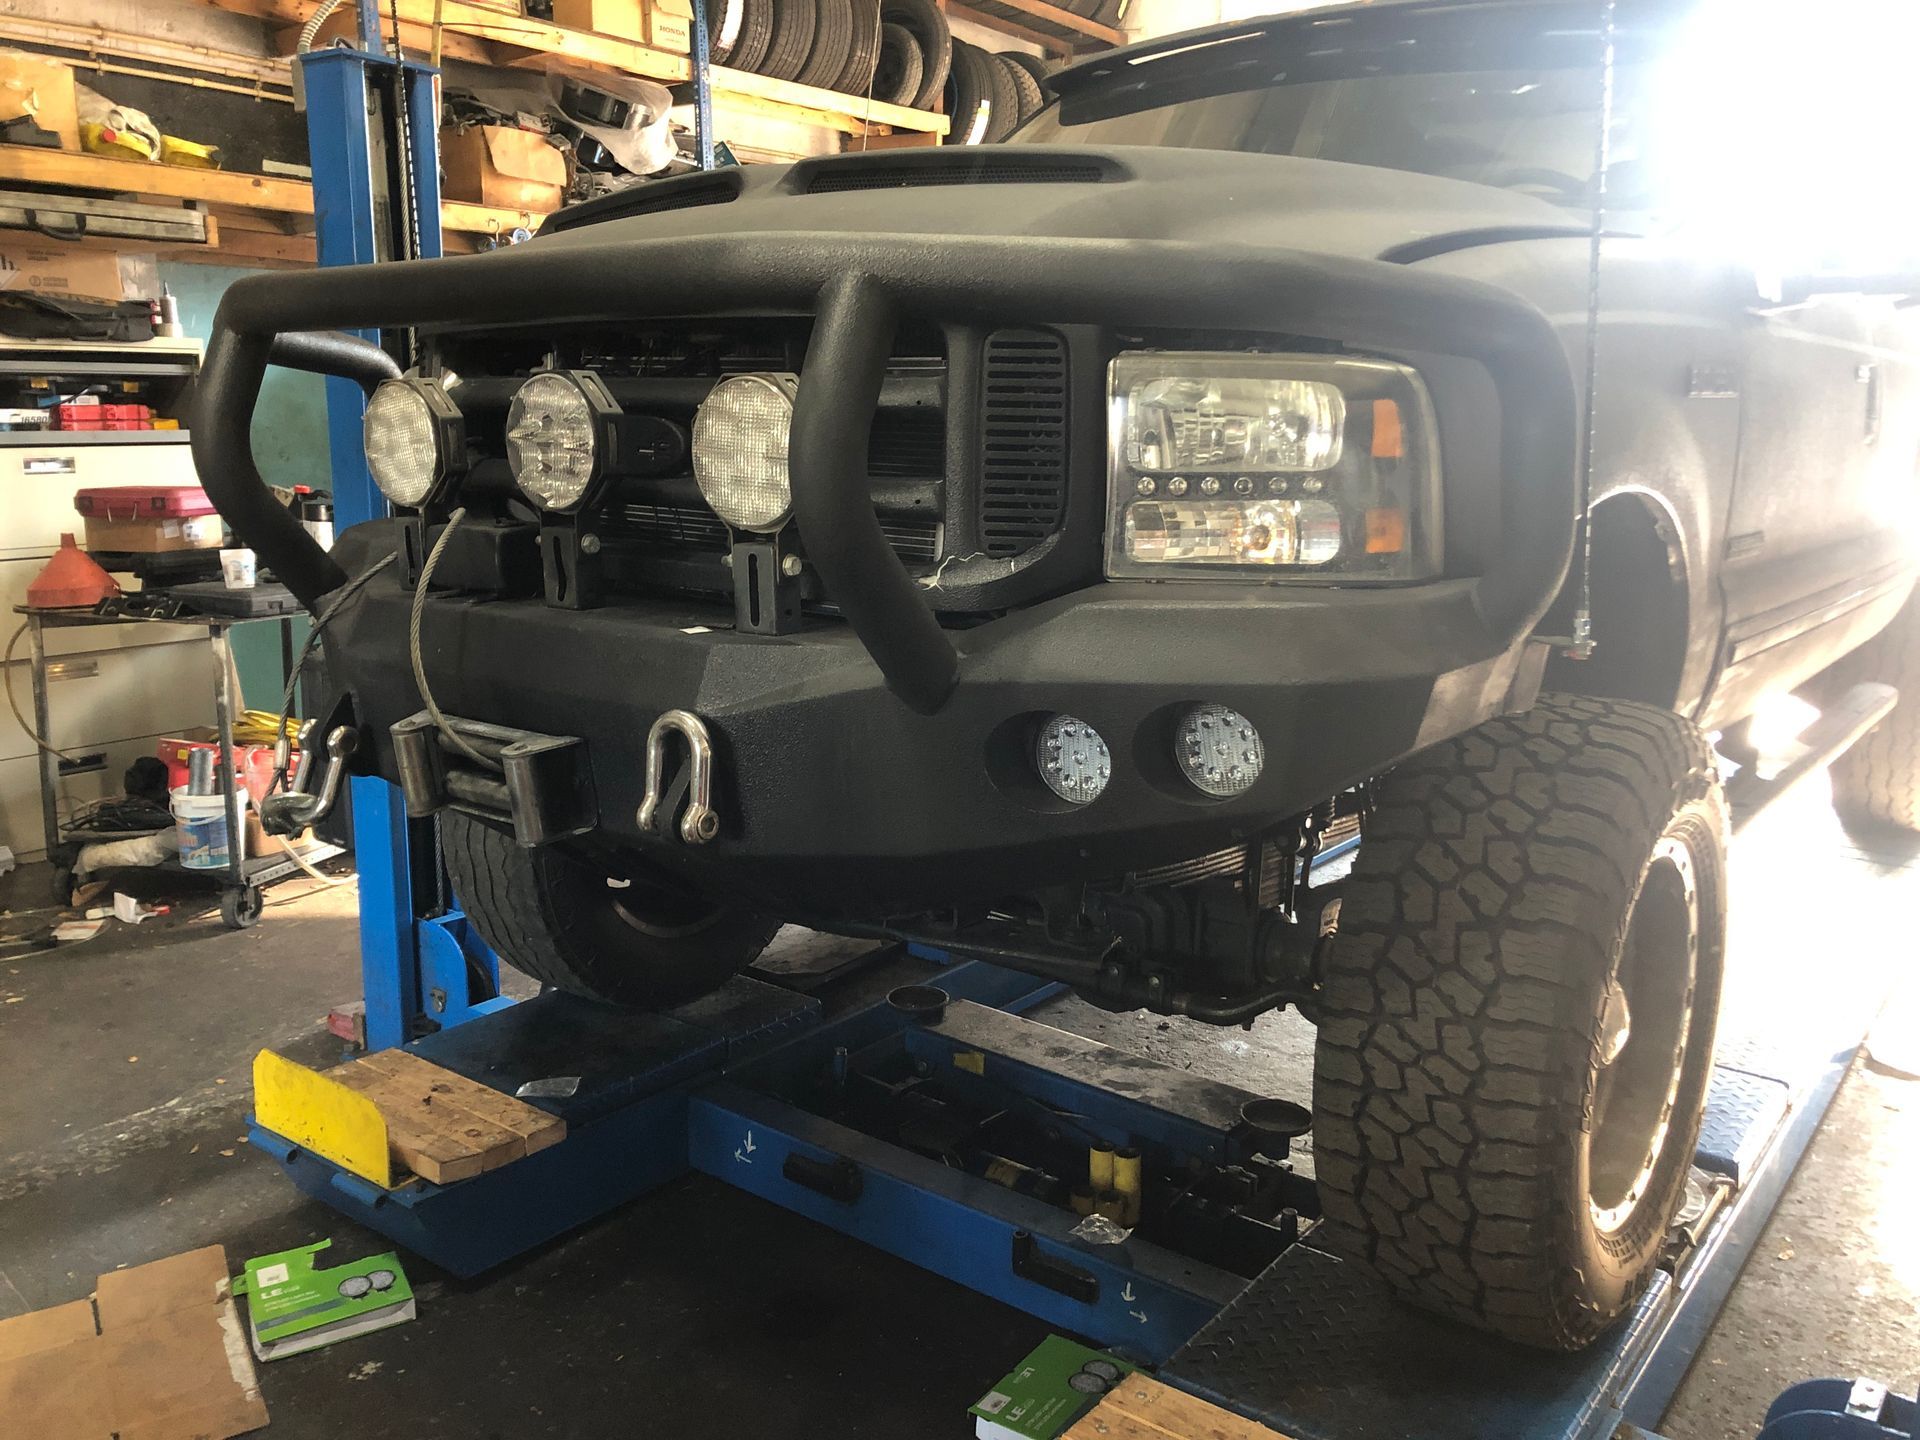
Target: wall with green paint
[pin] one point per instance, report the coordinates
(289, 445)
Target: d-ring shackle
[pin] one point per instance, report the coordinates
(701, 822)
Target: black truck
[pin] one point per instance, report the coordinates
(1046, 550)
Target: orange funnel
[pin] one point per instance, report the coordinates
(72, 577)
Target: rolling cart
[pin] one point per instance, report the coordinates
(241, 902)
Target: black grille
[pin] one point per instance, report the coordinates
(1023, 439)
(684, 528)
(983, 170)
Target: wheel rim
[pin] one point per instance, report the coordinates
(1646, 1023)
(653, 903)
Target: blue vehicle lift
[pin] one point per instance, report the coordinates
(775, 1089)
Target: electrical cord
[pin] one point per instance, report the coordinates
(448, 733)
(13, 701)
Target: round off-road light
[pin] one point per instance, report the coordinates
(414, 438)
(1218, 750)
(1072, 759)
(556, 427)
(740, 450)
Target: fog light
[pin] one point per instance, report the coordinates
(1072, 759)
(554, 437)
(413, 437)
(1219, 750)
(740, 450)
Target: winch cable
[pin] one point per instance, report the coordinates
(453, 737)
(340, 598)
(1580, 645)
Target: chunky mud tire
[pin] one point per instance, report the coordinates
(561, 922)
(1877, 782)
(1495, 1132)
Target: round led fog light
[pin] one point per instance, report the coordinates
(553, 440)
(1072, 759)
(402, 439)
(1219, 750)
(740, 450)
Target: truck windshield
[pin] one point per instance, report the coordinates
(1498, 95)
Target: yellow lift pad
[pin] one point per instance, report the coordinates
(323, 1116)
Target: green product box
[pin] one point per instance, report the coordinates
(1053, 1387)
(292, 1307)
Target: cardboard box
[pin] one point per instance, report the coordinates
(663, 24)
(43, 88)
(60, 270)
(498, 165)
(670, 25)
(158, 1352)
(153, 537)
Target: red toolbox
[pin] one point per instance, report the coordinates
(148, 518)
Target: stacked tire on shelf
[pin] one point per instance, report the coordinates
(901, 52)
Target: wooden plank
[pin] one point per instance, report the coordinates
(1141, 1408)
(486, 219)
(810, 97)
(533, 1125)
(98, 172)
(905, 140)
(96, 40)
(443, 1147)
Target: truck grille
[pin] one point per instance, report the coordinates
(1023, 439)
(694, 529)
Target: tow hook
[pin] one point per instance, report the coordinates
(293, 812)
(700, 822)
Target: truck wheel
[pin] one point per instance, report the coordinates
(1518, 1016)
(564, 922)
(1877, 782)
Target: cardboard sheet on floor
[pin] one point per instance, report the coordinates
(158, 1353)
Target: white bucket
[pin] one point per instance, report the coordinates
(201, 823)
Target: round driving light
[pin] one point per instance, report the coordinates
(1072, 759)
(740, 450)
(553, 437)
(1219, 750)
(413, 436)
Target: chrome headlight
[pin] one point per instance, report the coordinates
(560, 434)
(1276, 467)
(740, 450)
(414, 439)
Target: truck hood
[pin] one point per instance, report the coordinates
(1121, 193)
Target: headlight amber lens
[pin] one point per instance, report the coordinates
(402, 443)
(1279, 467)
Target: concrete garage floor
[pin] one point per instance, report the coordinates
(697, 1310)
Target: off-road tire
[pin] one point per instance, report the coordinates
(792, 40)
(832, 42)
(864, 50)
(557, 920)
(756, 34)
(1877, 782)
(896, 78)
(927, 23)
(1464, 1123)
(1026, 89)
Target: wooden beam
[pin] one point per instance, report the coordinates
(846, 108)
(1052, 43)
(35, 166)
(486, 219)
(95, 40)
(1065, 19)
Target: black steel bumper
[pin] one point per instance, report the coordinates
(832, 789)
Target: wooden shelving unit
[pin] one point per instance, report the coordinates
(1054, 29)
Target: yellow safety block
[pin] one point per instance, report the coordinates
(323, 1116)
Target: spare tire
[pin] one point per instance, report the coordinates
(1026, 89)
(622, 931)
(970, 94)
(896, 79)
(792, 41)
(928, 25)
(721, 45)
(1032, 64)
(832, 39)
(856, 76)
(756, 34)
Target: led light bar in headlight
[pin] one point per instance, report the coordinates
(414, 438)
(1277, 467)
